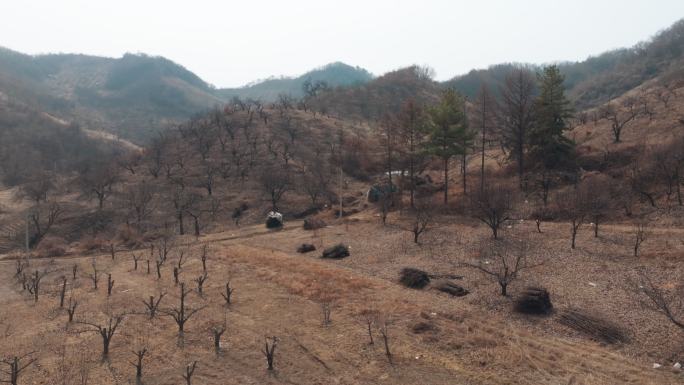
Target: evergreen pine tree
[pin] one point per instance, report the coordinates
(549, 148)
(448, 131)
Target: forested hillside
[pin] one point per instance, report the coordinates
(329, 76)
(603, 77)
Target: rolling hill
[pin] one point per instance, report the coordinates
(600, 78)
(333, 74)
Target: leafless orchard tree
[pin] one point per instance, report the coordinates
(640, 234)
(421, 219)
(189, 372)
(275, 182)
(152, 305)
(493, 206)
(200, 283)
(659, 300)
(106, 331)
(42, 218)
(370, 318)
(95, 275)
(37, 189)
(15, 365)
(62, 292)
(217, 331)
(203, 258)
(110, 285)
(227, 295)
(138, 199)
(503, 260)
(71, 309)
(384, 332)
(34, 283)
(136, 259)
(572, 205)
(598, 200)
(326, 308)
(181, 314)
(138, 364)
(269, 350)
(620, 116)
(97, 182)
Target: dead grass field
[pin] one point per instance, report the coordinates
(470, 340)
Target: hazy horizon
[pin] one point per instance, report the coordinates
(230, 45)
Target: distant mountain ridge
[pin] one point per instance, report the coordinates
(137, 95)
(133, 96)
(334, 74)
(599, 78)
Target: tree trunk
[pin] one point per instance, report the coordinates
(446, 180)
(504, 288)
(181, 228)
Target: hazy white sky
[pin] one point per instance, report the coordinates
(230, 43)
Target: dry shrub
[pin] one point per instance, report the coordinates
(94, 244)
(593, 326)
(305, 248)
(414, 278)
(450, 288)
(52, 247)
(424, 327)
(336, 252)
(314, 224)
(130, 237)
(535, 301)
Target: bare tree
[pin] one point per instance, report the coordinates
(275, 181)
(326, 308)
(110, 285)
(130, 162)
(370, 317)
(203, 258)
(620, 116)
(43, 217)
(138, 200)
(136, 259)
(517, 113)
(200, 283)
(62, 292)
(664, 94)
(572, 205)
(95, 275)
(217, 331)
(493, 206)
(421, 219)
(153, 305)
(106, 331)
(598, 200)
(503, 260)
(97, 182)
(228, 294)
(384, 332)
(181, 314)
(269, 350)
(640, 234)
(667, 304)
(16, 365)
(139, 355)
(189, 372)
(34, 283)
(71, 309)
(484, 118)
(37, 189)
